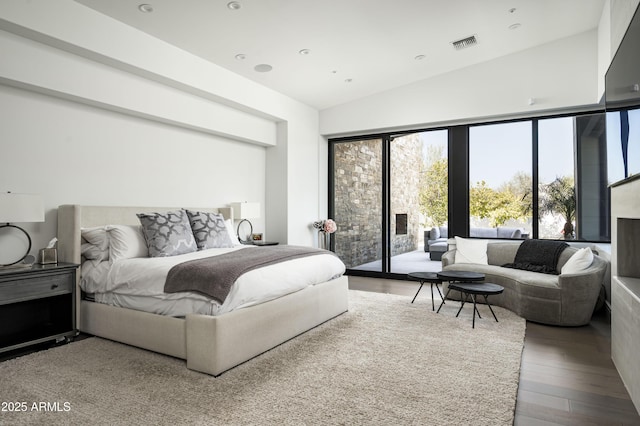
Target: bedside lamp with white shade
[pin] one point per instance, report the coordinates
(245, 211)
(19, 208)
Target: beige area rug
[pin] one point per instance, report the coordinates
(385, 362)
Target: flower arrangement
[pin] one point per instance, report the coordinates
(328, 226)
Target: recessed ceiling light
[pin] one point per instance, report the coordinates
(241, 56)
(263, 68)
(145, 8)
(304, 51)
(514, 26)
(234, 5)
(420, 57)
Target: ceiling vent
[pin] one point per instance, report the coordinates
(465, 42)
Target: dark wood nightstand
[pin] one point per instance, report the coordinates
(37, 304)
(264, 243)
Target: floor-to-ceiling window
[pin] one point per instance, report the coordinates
(556, 178)
(500, 180)
(543, 177)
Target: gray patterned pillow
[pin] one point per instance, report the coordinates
(167, 234)
(209, 230)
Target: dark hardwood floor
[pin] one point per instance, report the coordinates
(566, 377)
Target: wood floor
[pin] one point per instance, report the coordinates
(567, 376)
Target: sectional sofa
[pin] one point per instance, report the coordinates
(567, 299)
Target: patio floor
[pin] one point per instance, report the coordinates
(414, 261)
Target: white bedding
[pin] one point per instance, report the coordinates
(138, 283)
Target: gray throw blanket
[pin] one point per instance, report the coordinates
(214, 276)
(538, 256)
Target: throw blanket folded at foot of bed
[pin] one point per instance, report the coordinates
(214, 276)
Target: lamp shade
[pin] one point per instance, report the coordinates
(245, 210)
(21, 208)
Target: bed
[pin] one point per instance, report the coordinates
(209, 344)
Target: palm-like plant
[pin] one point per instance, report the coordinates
(559, 196)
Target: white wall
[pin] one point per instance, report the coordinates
(558, 75)
(621, 13)
(100, 113)
(72, 153)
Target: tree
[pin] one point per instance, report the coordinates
(511, 201)
(520, 185)
(434, 196)
(559, 197)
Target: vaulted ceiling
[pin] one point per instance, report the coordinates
(328, 52)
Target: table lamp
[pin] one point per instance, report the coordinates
(245, 211)
(20, 208)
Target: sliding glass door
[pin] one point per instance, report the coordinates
(386, 192)
(358, 203)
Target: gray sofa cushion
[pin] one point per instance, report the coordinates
(444, 232)
(483, 232)
(435, 233)
(507, 232)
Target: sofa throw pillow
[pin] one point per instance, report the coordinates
(578, 262)
(167, 234)
(471, 251)
(434, 234)
(209, 230)
(126, 242)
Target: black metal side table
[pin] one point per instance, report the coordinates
(458, 276)
(426, 277)
(482, 289)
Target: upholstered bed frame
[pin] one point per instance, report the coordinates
(210, 344)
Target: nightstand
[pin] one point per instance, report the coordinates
(37, 304)
(264, 243)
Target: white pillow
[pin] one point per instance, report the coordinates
(96, 236)
(471, 251)
(580, 261)
(126, 242)
(97, 245)
(232, 233)
(93, 252)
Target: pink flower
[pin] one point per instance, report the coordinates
(330, 226)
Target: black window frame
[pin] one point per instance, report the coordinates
(458, 174)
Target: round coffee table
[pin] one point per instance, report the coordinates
(426, 277)
(472, 289)
(458, 276)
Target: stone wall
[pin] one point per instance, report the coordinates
(406, 166)
(358, 203)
